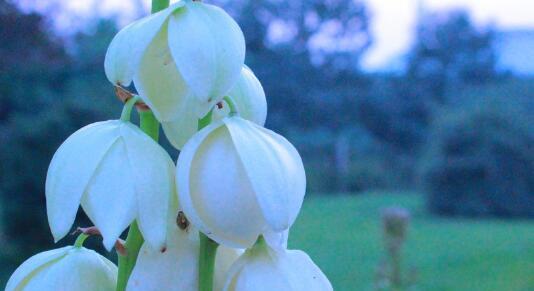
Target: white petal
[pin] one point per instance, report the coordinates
(30, 267)
(174, 269)
(127, 47)
(158, 81)
(71, 169)
(303, 273)
(214, 53)
(212, 192)
(153, 177)
(276, 240)
(183, 168)
(274, 169)
(110, 199)
(270, 269)
(249, 97)
(80, 269)
(258, 272)
(223, 262)
(179, 130)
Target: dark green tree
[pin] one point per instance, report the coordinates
(480, 159)
(46, 94)
(322, 46)
(450, 51)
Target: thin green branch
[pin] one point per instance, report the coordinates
(208, 248)
(80, 240)
(231, 105)
(127, 109)
(205, 121)
(206, 264)
(134, 240)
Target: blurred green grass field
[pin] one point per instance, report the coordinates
(342, 234)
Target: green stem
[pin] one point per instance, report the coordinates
(158, 5)
(80, 240)
(127, 109)
(208, 248)
(206, 264)
(149, 124)
(133, 243)
(135, 240)
(231, 105)
(205, 121)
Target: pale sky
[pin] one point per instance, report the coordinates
(392, 21)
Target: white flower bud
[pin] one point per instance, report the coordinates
(117, 173)
(67, 268)
(237, 180)
(182, 59)
(263, 269)
(248, 96)
(177, 267)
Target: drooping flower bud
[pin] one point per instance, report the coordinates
(177, 267)
(182, 59)
(67, 268)
(117, 173)
(263, 268)
(237, 180)
(248, 96)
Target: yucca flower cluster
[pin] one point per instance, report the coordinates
(217, 220)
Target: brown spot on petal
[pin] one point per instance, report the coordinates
(121, 248)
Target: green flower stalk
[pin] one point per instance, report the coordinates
(135, 240)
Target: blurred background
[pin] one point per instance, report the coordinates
(415, 121)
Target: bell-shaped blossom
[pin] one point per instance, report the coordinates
(248, 96)
(67, 268)
(237, 180)
(265, 268)
(117, 173)
(177, 267)
(182, 59)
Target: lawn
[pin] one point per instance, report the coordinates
(343, 236)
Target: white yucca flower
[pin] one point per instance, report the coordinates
(118, 174)
(263, 268)
(67, 268)
(177, 267)
(182, 60)
(248, 96)
(237, 180)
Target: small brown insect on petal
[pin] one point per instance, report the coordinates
(182, 221)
